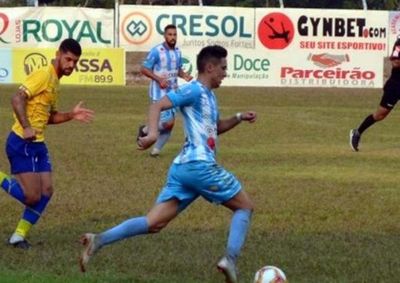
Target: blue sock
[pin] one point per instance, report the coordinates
(129, 228)
(162, 139)
(33, 213)
(11, 187)
(238, 231)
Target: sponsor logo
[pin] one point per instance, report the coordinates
(93, 65)
(328, 74)
(54, 30)
(249, 64)
(326, 60)
(338, 27)
(394, 23)
(275, 31)
(3, 26)
(33, 62)
(136, 28)
(3, 73)
(187, 65)
(211, 143)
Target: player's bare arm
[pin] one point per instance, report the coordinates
(229, 123)
(182, 74)
(19, 101)
(154, 117)
(149, 73)
(78, 113)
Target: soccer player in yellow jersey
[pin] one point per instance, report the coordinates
(35, 106)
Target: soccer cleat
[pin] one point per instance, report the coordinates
(141, 133)
(23, 244)
(155, 152)
(228, 268)
(91, 247)
(354, 139)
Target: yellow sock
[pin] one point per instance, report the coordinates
(3, 176)
(23, 228)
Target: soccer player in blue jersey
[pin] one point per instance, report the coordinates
(35, 106)
(163, 65)
(194, 172)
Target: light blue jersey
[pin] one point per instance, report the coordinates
(199, 109)
(195, 172)
(165, 63)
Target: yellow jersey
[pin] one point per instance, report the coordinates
(41, 87)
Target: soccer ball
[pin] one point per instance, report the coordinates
(270, 274)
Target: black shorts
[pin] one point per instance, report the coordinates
(391, 94)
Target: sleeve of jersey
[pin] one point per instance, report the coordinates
(184, 96)
(150, 60)
(396, 50)
(35, 83)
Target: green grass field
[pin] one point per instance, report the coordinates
(323, 213)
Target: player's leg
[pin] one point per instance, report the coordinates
(27, 186)
(38, 191)
(388, 101)
(32, 213)
(167, 121)
(242, 208)
(217, 185)
(30, 182)
(172, 200)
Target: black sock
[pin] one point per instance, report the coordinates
(368, 122)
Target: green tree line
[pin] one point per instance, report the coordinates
(328, 4)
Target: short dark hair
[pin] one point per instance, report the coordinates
(170, 26)
(212, 53)
(71, 45)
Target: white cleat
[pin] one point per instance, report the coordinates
(228, 268)
(91, 247)
(155, 152)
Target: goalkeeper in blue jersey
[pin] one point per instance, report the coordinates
(163, 65)
(390, 97)
(194, 172)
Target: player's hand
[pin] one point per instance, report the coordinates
(29, 134)
(188, 78)
(249, 116)
(163, 83)
(146, 141)
(82, 114)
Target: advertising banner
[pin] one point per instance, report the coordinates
(142, 27)
(96, 66)
(323, 48)
(5, 66)
(272, 47)
(48, 26)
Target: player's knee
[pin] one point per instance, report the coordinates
(32, 198)
(249, 205)
(47, 190)
(157, 227)
(380, 116)
(168, 126)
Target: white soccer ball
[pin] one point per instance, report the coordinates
(270, 274)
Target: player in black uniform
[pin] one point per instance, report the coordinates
(391, 94)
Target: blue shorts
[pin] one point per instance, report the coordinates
(26, 156)
(190, 180)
